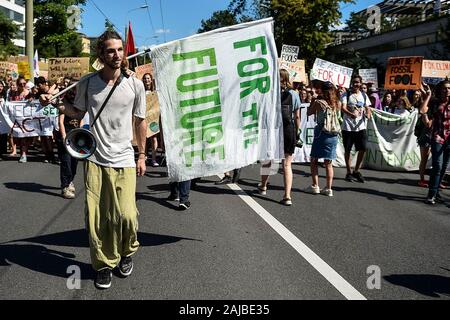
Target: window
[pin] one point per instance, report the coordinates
(18, 17)
(405, 43)
(425, 39)
(5, 11)
(20, 3)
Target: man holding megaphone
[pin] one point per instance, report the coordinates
(112, 99)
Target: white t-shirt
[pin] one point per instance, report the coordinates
(357, 102)
(113, 130)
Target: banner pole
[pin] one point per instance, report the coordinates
(76, 83)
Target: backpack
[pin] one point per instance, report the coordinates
(287, 108)
(331, 124)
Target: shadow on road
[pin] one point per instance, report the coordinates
(32, 187)
(38, 258)
(41, 259)
(79, 239)
(426, 284)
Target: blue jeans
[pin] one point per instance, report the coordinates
(181, 189)
(440, 156)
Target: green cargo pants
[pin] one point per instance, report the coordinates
(111, 214)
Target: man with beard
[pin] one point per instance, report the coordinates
(111, 171)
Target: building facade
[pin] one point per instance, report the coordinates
(15, 10)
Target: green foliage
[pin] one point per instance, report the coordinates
(108, 25)
(8, 31)
(52, 37)
(302, 23)
(218, 19)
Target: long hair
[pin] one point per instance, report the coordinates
(439, 89)
(330, 95)
(100, 47)
(284, 79)
(152, 84)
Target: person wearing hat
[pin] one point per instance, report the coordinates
(374, 97)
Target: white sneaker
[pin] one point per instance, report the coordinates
(71, 187)
(326, 192)
(67, 194)
(313, 189)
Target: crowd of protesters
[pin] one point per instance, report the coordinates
(351, 106)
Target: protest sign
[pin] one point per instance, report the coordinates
(219, 95)
(9, 69)
(327, 71)
(296, 70)
(67, 67)
(23, 65)
(434, 71)
(152, 114)
(143, 69)
(403, 73)
(369, 76)
(289, 53)
(27, 119)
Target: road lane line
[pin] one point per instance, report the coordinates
(345, 288)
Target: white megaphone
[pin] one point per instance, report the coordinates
(80, 143)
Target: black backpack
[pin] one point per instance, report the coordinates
(287, 108)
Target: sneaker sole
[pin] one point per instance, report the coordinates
(102, 286)
(127, 273)
(183, 206)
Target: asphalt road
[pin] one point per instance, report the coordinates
(376, 240)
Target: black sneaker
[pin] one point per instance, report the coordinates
(224, 180)
(349, 177)
(126, 266)
(358, 176)
(173, 197)
(103, 279)
(184, 205)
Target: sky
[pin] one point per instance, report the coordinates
(177, 19)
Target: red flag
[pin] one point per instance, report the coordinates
(129, 47)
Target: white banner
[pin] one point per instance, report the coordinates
(327, 71)
(391, 143)
(219, 96)
(27, 119)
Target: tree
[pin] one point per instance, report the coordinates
(218, 19)
(302, 23)
(109, 25)
(52, 36)
(8, 31)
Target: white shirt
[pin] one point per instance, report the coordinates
(356, 101)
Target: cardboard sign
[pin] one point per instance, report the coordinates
(23, 66)
(327, 71)
(369, 76)
(67, 67)
(152, 114)
(403, 73)
(296, 70)
(435, 70)
(289, 53)
(9, 69)
(141, 70)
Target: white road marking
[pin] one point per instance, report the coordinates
(345, 288)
